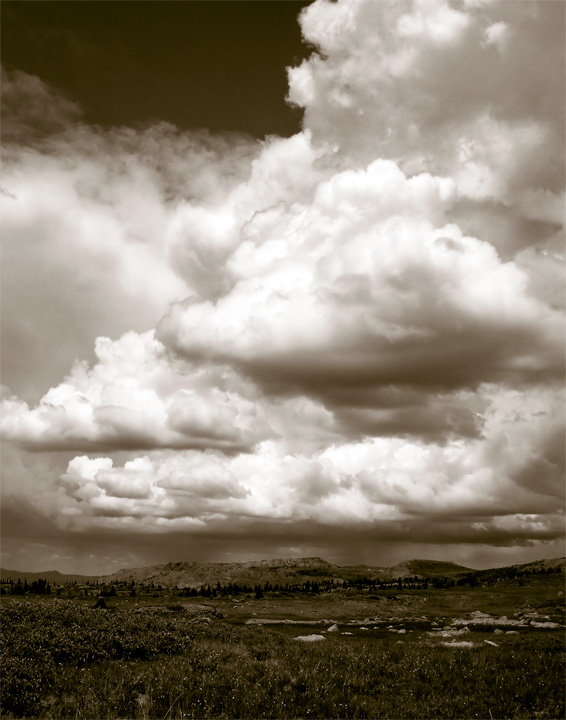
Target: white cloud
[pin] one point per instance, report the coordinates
(136, 396)
(497, 34)
(434, 21)
(385, 290)
(508, 480)
(102, 230)
(416, 81)
(359, 329)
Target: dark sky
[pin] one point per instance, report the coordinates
(215, 64)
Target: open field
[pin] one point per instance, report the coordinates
(487, 652)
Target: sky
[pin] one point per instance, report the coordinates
(282, 279)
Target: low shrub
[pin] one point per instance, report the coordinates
(64, 660)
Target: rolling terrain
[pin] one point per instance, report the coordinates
(52, 576)
(298, 571)
(390, 651)
(280, 571)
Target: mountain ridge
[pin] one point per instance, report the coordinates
(52, 576)
(252, 572)
(296, 571)
(280, 571)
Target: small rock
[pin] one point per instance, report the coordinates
(498, 631)
(460, 644)
(490, 642)
(333, 628)
(534, 623)
(310, 638)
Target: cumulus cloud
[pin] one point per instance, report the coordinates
(356, 333)
(386, 292)
(136, 396)
(102, 229)
(420, 80)
(507, 483)
(461, 90)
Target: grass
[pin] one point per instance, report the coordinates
(62, 659)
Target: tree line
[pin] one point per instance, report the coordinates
(472, 579)
(37, 587)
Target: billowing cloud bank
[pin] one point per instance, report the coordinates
(354, 332)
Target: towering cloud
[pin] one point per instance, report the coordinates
(102, 229)
(355, 332)
(387, 292)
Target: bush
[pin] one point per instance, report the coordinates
(64, 660)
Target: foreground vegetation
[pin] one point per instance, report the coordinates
(64, 659)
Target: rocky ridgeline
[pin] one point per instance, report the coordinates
(279, 571)
(195, 574)
(297, 571)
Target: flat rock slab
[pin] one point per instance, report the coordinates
(310, 638)
(284, 621)
(480, 618)
(460, 644)
(449, 633)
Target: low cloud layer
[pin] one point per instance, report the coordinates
(351, 336)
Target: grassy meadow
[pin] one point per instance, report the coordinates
(150, 658)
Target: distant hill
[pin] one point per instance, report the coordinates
(559, 562)
(194, 574)
(284, 572)
(537, 567)
(54, 577)
(425, 568)
(277, 571)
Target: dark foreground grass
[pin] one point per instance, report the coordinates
(63, 660)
